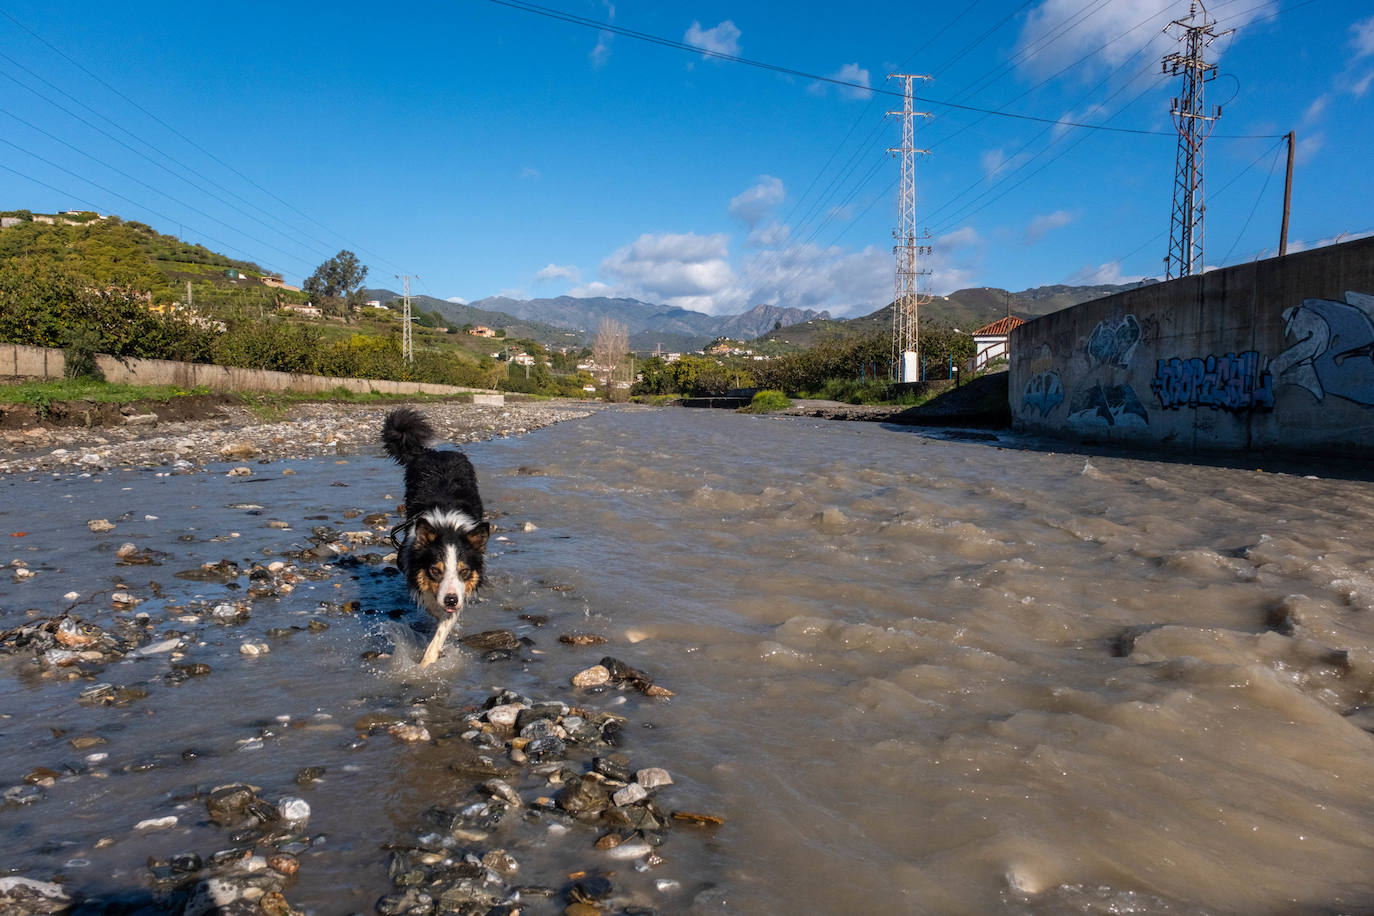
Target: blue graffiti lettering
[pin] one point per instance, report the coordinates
(1231, 382)
(1044, 392)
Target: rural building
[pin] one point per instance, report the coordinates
(993, 341)
(482, 331)
(276, 283)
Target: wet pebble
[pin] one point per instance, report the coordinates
(595, 676)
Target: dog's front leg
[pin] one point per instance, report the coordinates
(437, 643)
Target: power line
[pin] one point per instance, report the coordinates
(193, 144)
(1240, 235)
(138, 181)
(131, 149)
(251, 257)
(790, 71)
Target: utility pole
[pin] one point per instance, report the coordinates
(1185, 256)
(907, 296)
(407, 347)
(1287, 195)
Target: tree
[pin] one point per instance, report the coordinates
(336, 281)
(609, 347)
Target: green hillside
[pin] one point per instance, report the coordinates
(112, 252)
(964, 309)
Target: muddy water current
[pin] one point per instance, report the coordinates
(913, 674)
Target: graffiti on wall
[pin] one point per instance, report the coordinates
(1332, 349)
(1044, 392)
(1108, 405)
(1113, 343)
(1233, 382)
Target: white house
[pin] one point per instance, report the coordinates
(993, 341)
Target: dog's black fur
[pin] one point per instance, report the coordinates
(442, 542)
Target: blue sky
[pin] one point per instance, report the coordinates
(493, 150)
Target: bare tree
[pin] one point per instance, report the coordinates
(609, 347)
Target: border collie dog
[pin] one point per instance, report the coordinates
(440, 545)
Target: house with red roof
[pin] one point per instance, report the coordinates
(993, 341)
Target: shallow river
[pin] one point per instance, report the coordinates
(913, 674)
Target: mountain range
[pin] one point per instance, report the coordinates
(572, 321)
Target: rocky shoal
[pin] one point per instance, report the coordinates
(236, 434)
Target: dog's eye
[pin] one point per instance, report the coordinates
(436, 571)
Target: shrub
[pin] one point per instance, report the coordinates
(767, 401)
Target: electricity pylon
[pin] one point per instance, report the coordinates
(907, 296)
(1194, 124)
(407, 346)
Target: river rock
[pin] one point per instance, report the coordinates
(632, 793)
(582, 797)
(582, 639)
(230, 806)
(653, 777)
(591, 889)
(491, 640)
(293, 810)
(595, 676)
(100, 525)
(22, 896)
(405, 731)
(505, 715)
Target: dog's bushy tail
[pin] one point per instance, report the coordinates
(406, 434)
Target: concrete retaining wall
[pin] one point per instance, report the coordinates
(1276, 354)
(41, 362)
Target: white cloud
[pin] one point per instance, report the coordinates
(1316, 109)
(530, 174)
(558, 272)
(809, 276)
(1363, 37)
(1361, 85)
(592, 290)
(997, 164)
(458, 300)
(1101, 274)
(1092, 114)
(1296, 245)
(769, 236)
(1046, 223)
(1309, 146)
(753, 205)
(685, 270)
(602, 52)
(721, 39)
(1059, 31)
(849, 73)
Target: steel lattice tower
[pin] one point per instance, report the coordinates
(907, 296)
(1194, 124)
(407, 345)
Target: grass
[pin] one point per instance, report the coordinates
(265, 406)
(43, 394)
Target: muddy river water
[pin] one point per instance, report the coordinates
(913, 674)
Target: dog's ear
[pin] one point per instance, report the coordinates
(477, 536)
(424, 533)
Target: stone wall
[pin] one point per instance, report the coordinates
(18, 361)
(1275, 355)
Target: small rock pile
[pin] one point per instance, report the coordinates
(555, 768)
(249, 876)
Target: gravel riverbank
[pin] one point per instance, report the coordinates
(235, 433)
